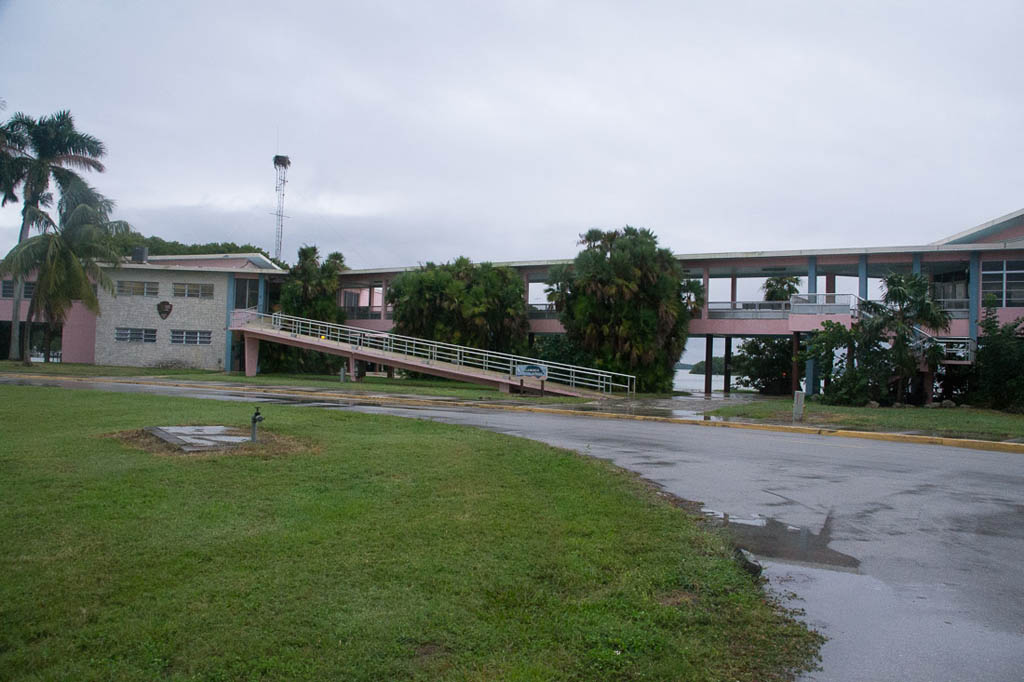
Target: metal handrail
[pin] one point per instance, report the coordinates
(823, 303)
(465, 356)
(956, 349)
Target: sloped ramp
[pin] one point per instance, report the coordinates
(419, 355)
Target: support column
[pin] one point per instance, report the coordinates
(862, 277)
(830, 288)
(708, 362)
(352, 368)
(228, 336)
(252, 355)
(732, 290)
(810, 381)
(794, 372)
(707, 284)
(383, 299)
(728, 358)
(974, 295)
(811, 377)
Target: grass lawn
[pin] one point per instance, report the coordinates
(954, 423)
(424, 387)
(71, 369)
(376, 549)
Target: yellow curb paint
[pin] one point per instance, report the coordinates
(974, 444)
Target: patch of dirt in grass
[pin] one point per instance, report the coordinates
(677, 598)
(429, 650)
(268, 445)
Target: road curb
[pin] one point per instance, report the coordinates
(970, 443)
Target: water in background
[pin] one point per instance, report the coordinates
(694, 383)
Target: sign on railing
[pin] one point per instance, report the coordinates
(530, 370)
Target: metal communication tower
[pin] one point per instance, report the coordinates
(281, 164)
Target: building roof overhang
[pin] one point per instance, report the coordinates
(988, 228)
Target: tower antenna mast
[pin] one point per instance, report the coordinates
(281, 165)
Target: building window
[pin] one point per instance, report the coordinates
(350, 299)
(247, 293)
(190, 337)
(1005, 281)
(135, 335)
(7, 289)
(132, 288)
(192, 290)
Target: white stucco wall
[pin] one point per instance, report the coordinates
(203, 314)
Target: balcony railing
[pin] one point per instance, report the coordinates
(958, 308)
(365, 312)
(824, 304)
(748, 310)
(542, 311)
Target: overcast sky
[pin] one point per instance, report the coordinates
(501, 130)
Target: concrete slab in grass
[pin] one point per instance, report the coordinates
(199, 438)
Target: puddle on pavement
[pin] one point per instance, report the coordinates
(644, 411)
(769, 537)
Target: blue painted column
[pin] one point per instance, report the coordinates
(261, 299)
(862, 276)
(974, 295)
(810, 371)
(916, 264)
(228, 337)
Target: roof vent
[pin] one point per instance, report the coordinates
(140, 254)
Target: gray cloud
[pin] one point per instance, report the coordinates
(422, 131)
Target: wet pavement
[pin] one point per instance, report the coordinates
(907, 556)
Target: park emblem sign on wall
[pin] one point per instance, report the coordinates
(531, 370)
(163, 308)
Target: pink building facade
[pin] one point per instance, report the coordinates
(963, 269)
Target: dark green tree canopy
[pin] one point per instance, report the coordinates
(626, 303)
(1000, 358)
(311, 289)
(907, 308)
(765, 364)
(163, 247)
(780, 288)
(480, 305)
(717, 366)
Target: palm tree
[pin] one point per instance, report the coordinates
(906, 308)
(34, 152)
(67, 257)
(780, 288)
(312, 285)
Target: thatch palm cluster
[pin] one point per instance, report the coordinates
(626, 303)
(465, 303)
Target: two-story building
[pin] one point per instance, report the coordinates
(164, 311)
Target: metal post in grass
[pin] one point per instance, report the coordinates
(798, 406)
(256, 419)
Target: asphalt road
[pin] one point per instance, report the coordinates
(909, 560)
